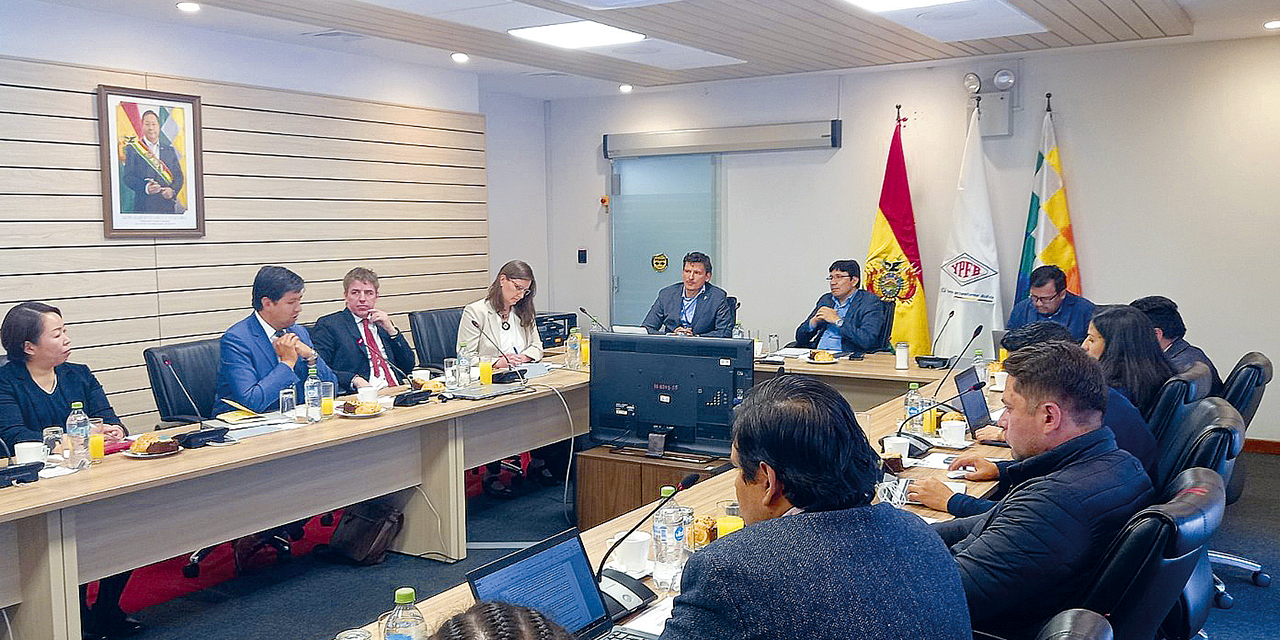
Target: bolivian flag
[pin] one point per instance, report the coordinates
(1049, 239)
(893, 262)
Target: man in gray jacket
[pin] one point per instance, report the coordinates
(816, 560)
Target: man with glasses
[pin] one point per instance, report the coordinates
(847, 318)
(1050, 300)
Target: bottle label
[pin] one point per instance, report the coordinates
(399, 636)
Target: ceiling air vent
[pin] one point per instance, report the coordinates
(335, 34)
(601, 5)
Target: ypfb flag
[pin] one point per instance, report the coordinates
(1049, 238)
(970, 282)
(893, 261)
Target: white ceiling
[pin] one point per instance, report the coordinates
(694, 40)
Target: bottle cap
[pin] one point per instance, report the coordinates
(977, 353)
(311, 370)
(668, 490)
(405, 595)
(914, 385)
(77, 405)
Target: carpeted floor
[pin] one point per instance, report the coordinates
(311, 600)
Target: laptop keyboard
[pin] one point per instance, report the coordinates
(620, 633)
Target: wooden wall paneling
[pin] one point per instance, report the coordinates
(199, 300)
(48, 102)
(19, 235)
(319, 271)
(59, 260)
(16, 287)
(300, 124)
(111, 356)
(279, 144)
(306, 188)
(52, 75)
(42, 128)
(94, 309)
(260, 209)
(50, 182)
(124, 379)
(88, 334)
(44, 154)
(218, 163)
(226, 231)
(173, 255)
(132, 402)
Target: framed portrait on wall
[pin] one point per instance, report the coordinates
(152, 178)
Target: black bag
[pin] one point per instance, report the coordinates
(366, 531)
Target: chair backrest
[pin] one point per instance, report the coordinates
(1076, 624)
(1144, 570)
(1176, 393)
(1244, 385)
(1207, 434)
(195, 365)
(733, 310)
(4, 359)
(435, 335)
(886, 334)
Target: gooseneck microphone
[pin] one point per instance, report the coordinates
(594, 320)
(194, 409)
(685, 483)
(360, 343)
(951, 368)
(944, 403)
(493, 342)
(933, 348)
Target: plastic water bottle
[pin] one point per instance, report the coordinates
(912, 406)
(669, 545)
(315, 396)
(738, 332)
(404, 622)
(464, 366)
(573, 346)
(980, 365)
(76, 454)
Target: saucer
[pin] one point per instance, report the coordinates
(617, 566)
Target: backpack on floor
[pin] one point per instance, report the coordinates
(366, 531)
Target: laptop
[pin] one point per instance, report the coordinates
(555, 578)
(629, 329)
(997, 336)
(486, 391)
(972, 403)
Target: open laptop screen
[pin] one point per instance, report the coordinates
(553, 577)
(973, 402)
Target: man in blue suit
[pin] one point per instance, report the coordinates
(152, 170)
(268, 351)
(848, 318)
(816, 559)
(694, 306)
(1050, 300)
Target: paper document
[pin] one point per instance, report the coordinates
(654, 618)
(792, 352)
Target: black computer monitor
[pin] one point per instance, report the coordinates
(682, 387)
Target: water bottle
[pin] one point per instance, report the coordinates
(76, 453)
(573, 355)
(669, 547)
(738, 332)
(315, 396)
(980, 365)
(464, 366)
(913, 403)
(404, 622)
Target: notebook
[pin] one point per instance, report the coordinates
(555, 578)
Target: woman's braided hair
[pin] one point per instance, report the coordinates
(499, 621)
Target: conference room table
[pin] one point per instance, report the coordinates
(124, 513)
(864, 383)
(704, 496)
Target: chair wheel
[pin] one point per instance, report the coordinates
(327, 519)
(1261, 579)
(1223, 600)
(191, 571)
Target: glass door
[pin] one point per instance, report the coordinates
(661, 207)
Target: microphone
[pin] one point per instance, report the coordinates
(594, 320)
(493, 342)
(194, 409)
(933, 404)
(685, 483)
(951, 368)
(933, 348)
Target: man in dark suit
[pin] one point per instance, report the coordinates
(847, 318)
(152, 171)
(1170, 332)
(1050, 300)
(268, 351)
(816, 560)
(360, 342)
(694, 306)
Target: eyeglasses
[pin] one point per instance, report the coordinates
(833, 278)
(1046, 299)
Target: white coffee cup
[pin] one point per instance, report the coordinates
(998, 379)
(367, 394)
(899, 445)
(24, 452)
(633, 554)
(953, 432)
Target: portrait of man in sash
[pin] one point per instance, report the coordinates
(151, 169)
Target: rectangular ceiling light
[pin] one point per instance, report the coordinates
(577, 35)
(881, 6)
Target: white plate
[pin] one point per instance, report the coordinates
(617, 566)
(807, 360)
(143, 456)
(337, 411)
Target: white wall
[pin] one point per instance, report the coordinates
(517, 187)
(57, 33)
(1170, 156)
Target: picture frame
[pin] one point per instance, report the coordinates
(152, 170)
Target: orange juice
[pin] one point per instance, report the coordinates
(584, 347)
(326, 406)
(97, 447)
(486, 371)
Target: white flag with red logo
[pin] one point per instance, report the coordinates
(969, 284)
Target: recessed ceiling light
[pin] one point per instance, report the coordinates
(189, 7)
(460, 57)
(577, 35)
(1274, 24)
(881, 6)
(625, 88)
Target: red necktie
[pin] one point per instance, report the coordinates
(375, 355)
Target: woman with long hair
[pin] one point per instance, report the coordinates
(499, 621)
(1123, 341)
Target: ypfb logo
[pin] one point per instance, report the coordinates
(966, 270)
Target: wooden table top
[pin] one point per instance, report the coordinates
(873, 366)
(117, 475)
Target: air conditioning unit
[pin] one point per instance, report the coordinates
(819, 134)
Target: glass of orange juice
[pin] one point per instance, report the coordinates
(486, 371)
(326, 398)
(584, 347)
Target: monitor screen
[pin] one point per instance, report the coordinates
(974, 403)
(685, 388)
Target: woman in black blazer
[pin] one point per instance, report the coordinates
(37, 387)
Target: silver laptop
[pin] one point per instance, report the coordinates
(486, 391)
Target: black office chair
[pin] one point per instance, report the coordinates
(182, 374)
(733, 310)
(1243, 388)
(435, 335)
(1076, 624)
(1177, 393)
(1143, 572)
(886, 334)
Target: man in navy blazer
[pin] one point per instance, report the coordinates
(267, 351)
(361, 343)
(1049, 299)
(847, 318)
(816, 559)
(694, 306)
